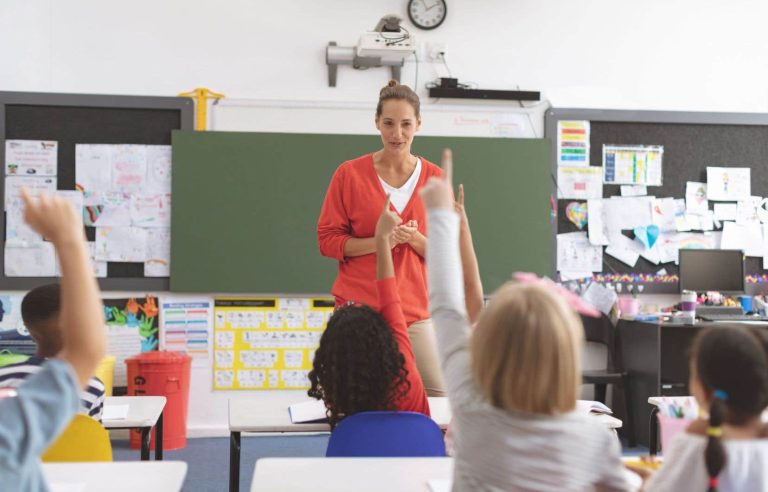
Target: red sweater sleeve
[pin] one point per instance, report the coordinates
(389, 302)
(333, 224)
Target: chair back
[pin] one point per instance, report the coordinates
(602, 331)
(386, 434)
(85, 439)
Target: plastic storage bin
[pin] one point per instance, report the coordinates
(167, 374)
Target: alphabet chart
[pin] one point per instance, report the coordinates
(266, 343)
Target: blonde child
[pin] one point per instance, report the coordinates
(513, 387)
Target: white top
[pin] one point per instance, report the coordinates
(496, 449)
(143, 411)
(684, 468)
(118, 476)
(348, 474)
(399, 197)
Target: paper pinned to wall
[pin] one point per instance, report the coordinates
(150, 210)
(121, 244)
(746, 210)
(575, 253)
(633, 164)
(728, 183)
(129, 167)
(573, 143)
(158, 169)
(107, 209)
(624, 249)
(38, 260)
(747, 237)
(634, 190)
(725, 211)
(696, 197)
(664, 212)
(622, 213)
(579, 183)
(158, 262)
(33, 184)
(31, 157)
(596, 227)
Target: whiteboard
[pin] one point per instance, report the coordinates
(478, 119)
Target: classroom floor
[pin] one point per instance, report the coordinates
(208, 458)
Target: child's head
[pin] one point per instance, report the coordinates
(358, 366)
(729, 375)
(526, 350)
(40, 313)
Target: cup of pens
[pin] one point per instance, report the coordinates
(675, 415)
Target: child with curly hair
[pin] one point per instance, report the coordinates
(365, 361)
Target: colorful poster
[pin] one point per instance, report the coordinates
(633, 164)
(186, 326)
(266, 343)
(31, 157)
(573, 143)
(132, 328)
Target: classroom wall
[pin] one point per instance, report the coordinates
(700, 55)
(696, 55)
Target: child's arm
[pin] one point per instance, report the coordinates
(473, 285)
(446, 287)
(389, 300)
(83, 334)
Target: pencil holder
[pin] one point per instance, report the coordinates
(629, 306)
(670, 427)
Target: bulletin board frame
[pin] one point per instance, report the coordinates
(103, 119)
(692, 141)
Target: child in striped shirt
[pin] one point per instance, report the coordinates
(40, 313)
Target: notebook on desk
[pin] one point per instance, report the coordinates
(307, 411)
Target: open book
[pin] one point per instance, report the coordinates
(590, 406)
(307, 411)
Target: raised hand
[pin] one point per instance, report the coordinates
(437, 193)
(53, 217)
(388, 221)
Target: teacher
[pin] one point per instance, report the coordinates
(348, 218)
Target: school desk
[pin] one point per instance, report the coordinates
(263, 416)
(349, 474)
(116, 476)
(144, 412)
(655, 355)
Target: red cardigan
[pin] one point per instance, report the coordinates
(415, 400)
(351, 208)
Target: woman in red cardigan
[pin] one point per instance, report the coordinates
(348, 218)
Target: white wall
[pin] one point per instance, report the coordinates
(696, 55)
(657, 54)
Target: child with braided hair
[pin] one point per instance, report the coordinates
(727, 452)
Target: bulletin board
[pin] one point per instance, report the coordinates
(71, 119)
(691, 142)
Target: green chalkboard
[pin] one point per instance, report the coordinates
(245, 207)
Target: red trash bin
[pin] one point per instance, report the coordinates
(161, 373)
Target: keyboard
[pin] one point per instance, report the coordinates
(733, 317)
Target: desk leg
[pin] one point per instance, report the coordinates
(145, 435)
(234, 461)
(653, 432)
(159, 438)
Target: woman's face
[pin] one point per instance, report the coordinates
(397, 124)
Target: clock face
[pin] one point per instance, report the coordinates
(427, 14)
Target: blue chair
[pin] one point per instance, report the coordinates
(386, 434)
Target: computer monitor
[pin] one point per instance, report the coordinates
(712, 269)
